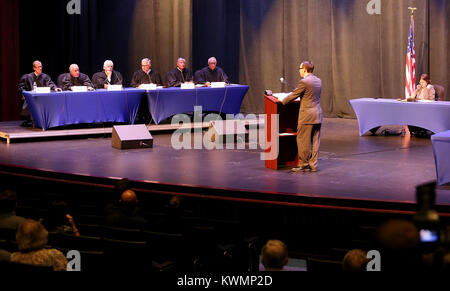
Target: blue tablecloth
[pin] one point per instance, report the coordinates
(64, 108)
(164, 103)
(441, 150)
(434, 116)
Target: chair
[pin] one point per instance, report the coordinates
(120, 233)
(10, 267)
(440, 93)
(59, 82)
(127, 255)
(319, 265)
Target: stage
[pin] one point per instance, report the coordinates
(373, 173)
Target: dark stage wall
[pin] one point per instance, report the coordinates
(255, 41)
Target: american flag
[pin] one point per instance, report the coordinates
(410, 62)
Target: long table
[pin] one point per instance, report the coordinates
(434, 116)
(164, 103)
(64, 108)
(441, 150)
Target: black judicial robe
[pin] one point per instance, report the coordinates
(174, 78)
(100, 79)
(82, 80)
(208, 75)
(43, 80)
(140, 77)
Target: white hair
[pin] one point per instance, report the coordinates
(179, 59)
(108, 62)
(72, 66)
(146, 59)
(212, 60)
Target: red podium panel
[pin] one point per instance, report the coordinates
(286, 145)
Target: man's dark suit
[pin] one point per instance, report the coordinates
(309, 119)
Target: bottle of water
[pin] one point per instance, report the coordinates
(34, 87)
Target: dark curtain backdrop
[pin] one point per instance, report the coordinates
(9, 59)
(255, 41)
(356, 54)
(216, 34)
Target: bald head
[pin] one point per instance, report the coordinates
(274, 255)
(129, 198)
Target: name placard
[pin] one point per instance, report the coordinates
(42, 90)
(115, 87)
(188, 86)
(218, 84)
(79, 88)
(148, 86)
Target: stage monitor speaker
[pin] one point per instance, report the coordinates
(131, 137)
(223, 131)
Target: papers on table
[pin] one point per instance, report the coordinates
(282, 96)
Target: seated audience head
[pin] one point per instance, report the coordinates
(398, 242)
(355, 261)
(74, 70)
(274, 255)
(146, 64)
(108, 66)
(31, 236)
(129, 200)
(181, 64)
(8, 201)
(37, 67)
(424, 80)
(212, 63)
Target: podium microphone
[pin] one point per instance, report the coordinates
(284, 82)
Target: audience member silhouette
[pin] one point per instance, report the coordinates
(274, 255)
(31, 239)
(8, 204)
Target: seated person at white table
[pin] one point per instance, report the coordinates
(75, 78)
(211, 73)
(179, 75)
(146, 75)
(26, 83)
(108, 76)
(424, 91)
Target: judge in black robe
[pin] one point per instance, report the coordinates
(146, 75)
(179, 75)
(75, 78)
(108, 76)
(26, 83)
(211, 73)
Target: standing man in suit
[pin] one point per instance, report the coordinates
(309, 117)
(107, 77)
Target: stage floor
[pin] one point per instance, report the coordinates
(381, 168)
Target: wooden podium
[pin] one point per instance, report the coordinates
(286, 133)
